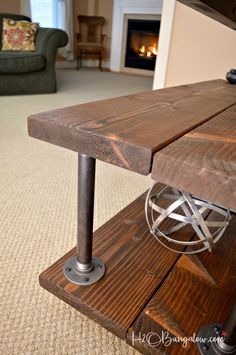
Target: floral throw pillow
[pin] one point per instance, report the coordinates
(18, 35)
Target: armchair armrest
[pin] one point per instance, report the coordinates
(48, 40)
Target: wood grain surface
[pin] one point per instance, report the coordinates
(127, 131)
(199, 290)
(203, 162)
(135, 265)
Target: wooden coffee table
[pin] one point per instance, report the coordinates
(186, 137)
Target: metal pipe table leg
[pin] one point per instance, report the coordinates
(85, 269)
(230, 327)
(224, 337)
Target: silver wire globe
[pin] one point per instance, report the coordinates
(174, 215)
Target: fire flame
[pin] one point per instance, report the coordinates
(142, 50)
(148, 51)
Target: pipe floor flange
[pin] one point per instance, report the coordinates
(84, 278)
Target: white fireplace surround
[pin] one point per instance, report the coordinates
(124, 7)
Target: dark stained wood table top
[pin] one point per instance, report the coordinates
(203, 162)
(128, 131)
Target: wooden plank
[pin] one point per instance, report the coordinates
(203, 162)
(218, 10)
(135, 265)
(127, 131)
(199, 290)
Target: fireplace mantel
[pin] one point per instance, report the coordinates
(121, 8)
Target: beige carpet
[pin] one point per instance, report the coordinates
(38, 219)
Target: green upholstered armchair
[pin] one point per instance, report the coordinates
(31, 72)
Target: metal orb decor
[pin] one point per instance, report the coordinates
(171, 214)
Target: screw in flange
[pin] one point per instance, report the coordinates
(83, 276)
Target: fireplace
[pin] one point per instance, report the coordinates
(142, 43)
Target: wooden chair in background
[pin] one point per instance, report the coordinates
(90, 39)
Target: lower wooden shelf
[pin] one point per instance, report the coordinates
(149, 289)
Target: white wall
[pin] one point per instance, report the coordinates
(200, 49)
(164, 43)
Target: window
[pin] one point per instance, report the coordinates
(45, 12)
(55, 14)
